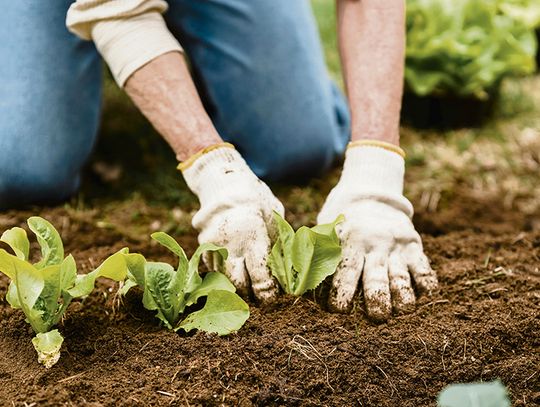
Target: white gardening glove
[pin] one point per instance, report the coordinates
(379, 241)
(236, 212)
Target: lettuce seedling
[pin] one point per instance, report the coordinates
(170, 292)
(45, 289)
(301, 261)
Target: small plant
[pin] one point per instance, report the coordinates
(301, 261)
(45, 289)
(491, 394)
(170, 292)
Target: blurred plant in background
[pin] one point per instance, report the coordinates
(465, 47)
(526, 11)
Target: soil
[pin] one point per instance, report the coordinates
(483, 324)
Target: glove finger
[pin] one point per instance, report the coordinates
(401, 290)
(262, 283)
(346, 279)
(377, 286)
(424, 276)
(271, 225)
(235, 270)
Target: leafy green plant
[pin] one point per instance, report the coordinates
(45, 289)
(491, 394)
(525, 11)
(301, 261)
(464, 47)
(170, 292)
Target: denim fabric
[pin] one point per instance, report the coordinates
(50, 85)
(258, 65)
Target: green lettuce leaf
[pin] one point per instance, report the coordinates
(280, 257)
(301, 261)
(193, 279)
(224, 312)
(315, 257)
(211, 282)
(17, 239)
(114, 268)
(464, 47)
(48, 346)
(163, 293)
(168, 291)
(491, 394)
(43, 291)
(52, 248)
(525, 11)
(170, 243)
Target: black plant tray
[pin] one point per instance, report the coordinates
(446, 112)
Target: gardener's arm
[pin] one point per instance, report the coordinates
(380, 244)
(145, 59)
(372, 45)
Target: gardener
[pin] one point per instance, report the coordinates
(261, 86)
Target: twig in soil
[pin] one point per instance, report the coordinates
(423, 343)
(498, 272)
(464, 349)
(446, 342)
(531, 376)
(343, 329)
(176, 373)
(434, 303)
(498, 290)
(165, 393)
(70, 377)
(488, 257)
(305, 349)
(186, 398)
(145, 345)
(392, 387)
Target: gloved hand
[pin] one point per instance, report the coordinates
(379, 240)
(236, 212)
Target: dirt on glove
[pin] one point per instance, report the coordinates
(483, 324)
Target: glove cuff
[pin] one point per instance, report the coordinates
(216, 171)
(184, 165)
(380, 144)
(374, 172)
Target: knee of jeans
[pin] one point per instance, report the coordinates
(36, 183)
(299, 155)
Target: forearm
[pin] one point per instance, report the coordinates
(146, 60)
(372, 45)
(164, 92)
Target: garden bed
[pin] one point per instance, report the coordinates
(482, 324)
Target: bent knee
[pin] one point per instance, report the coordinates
(299, 155)
(35, 183)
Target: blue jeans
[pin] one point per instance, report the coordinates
(258, 65)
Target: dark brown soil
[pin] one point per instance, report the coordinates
(483, 324)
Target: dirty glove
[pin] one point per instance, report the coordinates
(379, 241)
(236, 212)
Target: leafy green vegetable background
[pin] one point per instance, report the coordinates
(466, 47)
